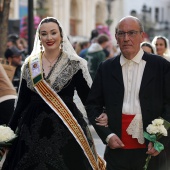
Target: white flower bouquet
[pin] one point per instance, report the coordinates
(7, 136)
(155, 131)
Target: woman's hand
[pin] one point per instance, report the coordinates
(102, 120)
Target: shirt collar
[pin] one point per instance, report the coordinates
(136, 59)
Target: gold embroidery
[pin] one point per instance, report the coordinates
(72, 124)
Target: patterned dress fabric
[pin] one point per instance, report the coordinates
(44, 142)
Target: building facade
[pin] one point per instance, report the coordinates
(78, 17)
(153, 13)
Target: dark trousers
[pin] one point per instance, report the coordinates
(6, 110)
(132, 159)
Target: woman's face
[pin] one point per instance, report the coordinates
(147, 49)
(160, 46)
(50, 36)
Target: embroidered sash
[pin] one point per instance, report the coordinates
(59, 107)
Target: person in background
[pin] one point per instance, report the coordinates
(147, 47)
(78, 47)
(8, 96)
(84, 48)
(116, 50)
(12, 40)
(14, 57)
(74, 45)
(95, 54)
(52, 133)
(107, 53)
(133, 89)
(161, 44)
(22, 45)
(94, 35)
(15, 41)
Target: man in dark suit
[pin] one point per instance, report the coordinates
(134, 89)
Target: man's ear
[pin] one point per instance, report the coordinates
(143, 36)
(116, 38)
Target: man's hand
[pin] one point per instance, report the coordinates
(115, 142)
(151, 150)
(2, 152)
(102, 120)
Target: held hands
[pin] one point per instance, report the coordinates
(151, 150)
(115, 142)
(102, 120)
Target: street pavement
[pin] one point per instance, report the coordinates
(100, 147)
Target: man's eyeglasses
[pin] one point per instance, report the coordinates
(129, 33)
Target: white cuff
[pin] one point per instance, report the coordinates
(109, 136)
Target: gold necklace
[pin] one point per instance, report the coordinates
(51, 62)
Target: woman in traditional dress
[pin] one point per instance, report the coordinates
(52, 134)
(148, 47)
(161, 44)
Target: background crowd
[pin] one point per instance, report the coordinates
(97, 49)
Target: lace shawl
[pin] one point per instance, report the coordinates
(63, 71)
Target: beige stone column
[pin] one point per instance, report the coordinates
(61, 11)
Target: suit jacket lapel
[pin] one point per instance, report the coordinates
(148, 72)
(117, 70)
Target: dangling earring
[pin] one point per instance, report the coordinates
(41, 48)
(61, 45)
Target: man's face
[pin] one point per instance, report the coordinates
(16, 61)
(129, 37)
(10, 44)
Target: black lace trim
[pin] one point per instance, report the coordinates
(44, 147)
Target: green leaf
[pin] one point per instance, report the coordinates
(166, 124)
